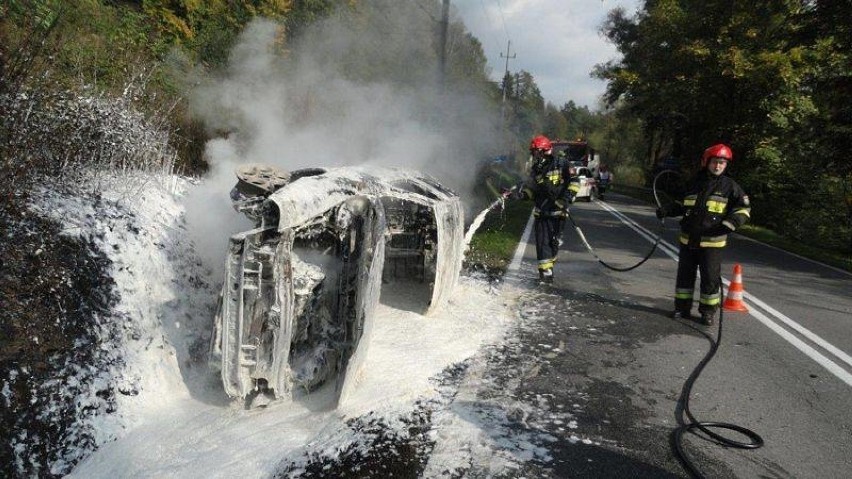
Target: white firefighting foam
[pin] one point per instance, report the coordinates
(180, 424)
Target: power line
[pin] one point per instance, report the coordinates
(503, 18)
(490, 22)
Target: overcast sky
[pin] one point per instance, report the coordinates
(557, 41)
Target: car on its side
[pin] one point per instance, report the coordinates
(301, 288)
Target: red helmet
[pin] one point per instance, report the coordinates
(540, 143)
(717, 151)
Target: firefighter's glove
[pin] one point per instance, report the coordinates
(561, 205)
(661, 213)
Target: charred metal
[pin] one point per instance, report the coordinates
(301, 288)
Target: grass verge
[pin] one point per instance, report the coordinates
(829, 257)
(494, 244)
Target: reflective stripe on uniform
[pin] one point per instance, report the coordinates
(573, 187)
(710, 299)
(558, 213)
(546, 263)
(681, 293)
(716, 206)
(554, 177)
(713, 242)
(689, 200)
(706, 241)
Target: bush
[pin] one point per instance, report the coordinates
(57, 135)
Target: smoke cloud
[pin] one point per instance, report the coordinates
(361, 88)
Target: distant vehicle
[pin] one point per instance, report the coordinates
(577, 152)
(587, 184)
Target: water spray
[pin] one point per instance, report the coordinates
(477, 222)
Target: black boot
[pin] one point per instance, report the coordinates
(681, 314)
(545, 276)
(707, 317)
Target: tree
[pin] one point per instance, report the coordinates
(754, 75)
(555, 123)
(527, 104)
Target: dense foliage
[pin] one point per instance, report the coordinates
(770, 78)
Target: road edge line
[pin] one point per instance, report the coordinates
(760, 304)
(522, 246)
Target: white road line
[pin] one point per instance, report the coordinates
(522, 246)
(801, 330)
(664, 246)
(827, 363)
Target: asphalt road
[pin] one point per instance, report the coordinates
(782, 370)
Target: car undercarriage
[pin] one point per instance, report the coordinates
(301, 288)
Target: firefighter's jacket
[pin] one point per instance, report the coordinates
(712, 207)
(551, 187)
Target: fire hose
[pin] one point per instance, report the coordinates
(647, 256)
(755, 441)
(691, 423)
(604, 263)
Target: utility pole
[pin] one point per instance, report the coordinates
(505, 86)
(445, 22)
(505, 74)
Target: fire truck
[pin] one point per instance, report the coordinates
(577, 152)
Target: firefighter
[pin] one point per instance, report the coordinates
(552, 186)
(603, 177)
(714, 206)
(604, 174)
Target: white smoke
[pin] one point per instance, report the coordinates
(359, 88)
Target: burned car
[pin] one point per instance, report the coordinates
(301, 288)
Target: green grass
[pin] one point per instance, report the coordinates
(815, 252)
(494, 244)
(765, 235)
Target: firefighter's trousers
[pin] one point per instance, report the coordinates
(709, 262)
(548, 230)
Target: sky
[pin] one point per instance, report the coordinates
(557, 41)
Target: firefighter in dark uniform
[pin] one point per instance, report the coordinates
(551, 186)
(714, 205)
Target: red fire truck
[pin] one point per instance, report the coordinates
(577, 152)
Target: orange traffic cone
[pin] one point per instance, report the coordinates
(734, 300)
